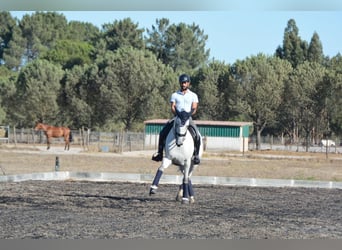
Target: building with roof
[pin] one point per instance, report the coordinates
(217, 135)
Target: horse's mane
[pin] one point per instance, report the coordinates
(183, 116)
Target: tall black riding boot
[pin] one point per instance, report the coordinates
(159, 155)
(196, 152)
(162, 138)
(197, 144)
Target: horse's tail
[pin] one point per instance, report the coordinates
(70, 137)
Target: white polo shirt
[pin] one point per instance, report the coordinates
(184, 101)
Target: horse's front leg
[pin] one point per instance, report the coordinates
(179, 195)
(165, 164)
(191, 191)
(67, 145)
(48, 143)
(186, 182)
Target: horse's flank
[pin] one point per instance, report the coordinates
(54, 132)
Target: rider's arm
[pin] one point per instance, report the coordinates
(194, 108)
(173, 108)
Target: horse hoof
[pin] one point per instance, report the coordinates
(178, 198)
(185, 201)
(179, 195)
(153, 191)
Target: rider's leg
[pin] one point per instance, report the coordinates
(162, 138)
(197, 141)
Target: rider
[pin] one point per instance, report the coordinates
(182, 100)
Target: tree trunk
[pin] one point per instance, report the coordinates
(258, 139)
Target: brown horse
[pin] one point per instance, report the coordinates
(51, 131)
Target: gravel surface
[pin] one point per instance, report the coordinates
(112, 210)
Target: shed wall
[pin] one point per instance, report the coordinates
(214, 137)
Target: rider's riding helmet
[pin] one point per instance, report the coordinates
(184, 78)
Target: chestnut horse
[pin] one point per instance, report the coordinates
(51, 131)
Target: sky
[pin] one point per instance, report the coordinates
(233, 34)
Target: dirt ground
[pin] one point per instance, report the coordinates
(119, 210)
(109, 210)
(268, 164)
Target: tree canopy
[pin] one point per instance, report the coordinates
(118, 76)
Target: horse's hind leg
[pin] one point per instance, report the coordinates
(67, 142)
(180, 193)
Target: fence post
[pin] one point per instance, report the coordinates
(129, 139)
(143, 140)
(33, 137)
(88, 138)
(57, 164)
(15, 136)
(121, 141)
(82, 139)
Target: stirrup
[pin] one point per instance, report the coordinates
(157, 157)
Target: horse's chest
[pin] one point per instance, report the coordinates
(182, 151)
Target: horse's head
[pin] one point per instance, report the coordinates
(39, 126)
(181, 125)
